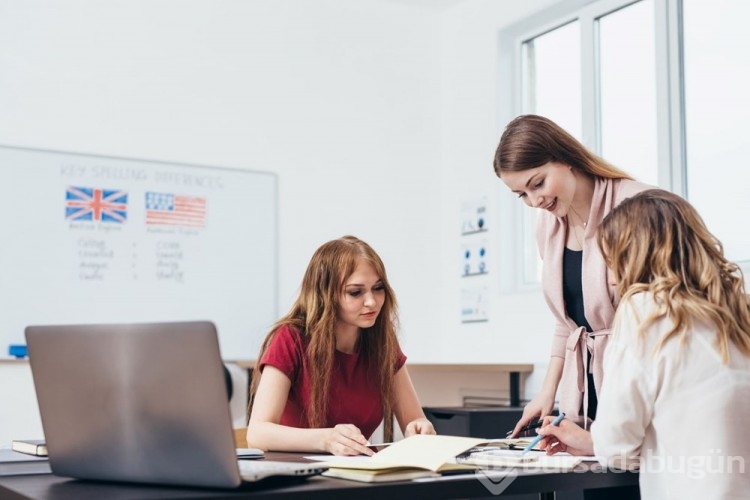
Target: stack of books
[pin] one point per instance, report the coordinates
(36, 447)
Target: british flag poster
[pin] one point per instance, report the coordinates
(96, 204)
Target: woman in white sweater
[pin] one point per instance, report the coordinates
(678, 403)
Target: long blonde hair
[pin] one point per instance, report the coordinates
(314, 315)
(657, 242)
(530, 141)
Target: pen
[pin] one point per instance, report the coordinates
(527, 427)
(539, 437)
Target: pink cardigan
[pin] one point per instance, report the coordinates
(600, 299)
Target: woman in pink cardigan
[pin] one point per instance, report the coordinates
(575, 189)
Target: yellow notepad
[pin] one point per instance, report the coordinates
(379, 476)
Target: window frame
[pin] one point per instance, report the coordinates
(672, 169)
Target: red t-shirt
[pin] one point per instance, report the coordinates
(354, 396)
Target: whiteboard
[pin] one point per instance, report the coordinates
(93, 239)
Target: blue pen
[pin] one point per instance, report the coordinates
(536, 440)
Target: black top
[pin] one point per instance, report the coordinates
(573, 295)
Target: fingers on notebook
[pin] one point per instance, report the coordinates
(347, 439)
(419, 426)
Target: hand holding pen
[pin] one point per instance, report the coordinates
(536, 409)
(527, 428)
(566, 435)
(536, 440)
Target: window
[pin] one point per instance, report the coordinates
(660, 91)
(552, 76)
(717, 104)
(627, 90)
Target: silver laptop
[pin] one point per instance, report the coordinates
(140, 403)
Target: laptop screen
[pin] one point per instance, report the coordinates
(134, 402)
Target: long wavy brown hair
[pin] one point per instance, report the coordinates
(530, 141)
(314, 315)
(657, 242)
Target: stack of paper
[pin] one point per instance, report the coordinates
(498, 458)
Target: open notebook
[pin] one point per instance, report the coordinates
(433, 455)
(140, 403)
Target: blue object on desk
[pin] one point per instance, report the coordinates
(17, 350)
(536, 440)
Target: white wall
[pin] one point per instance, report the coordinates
(378, 116)
(520, 326)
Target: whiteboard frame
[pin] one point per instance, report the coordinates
(149, 163)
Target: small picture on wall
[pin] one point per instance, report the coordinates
(474, 304)
(474, 216)
(474, 258)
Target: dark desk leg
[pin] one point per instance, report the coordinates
(547, 495)
(515, 389)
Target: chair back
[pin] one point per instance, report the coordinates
(240, 437)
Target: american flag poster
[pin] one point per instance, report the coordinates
(96, 204)
(169, 209)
